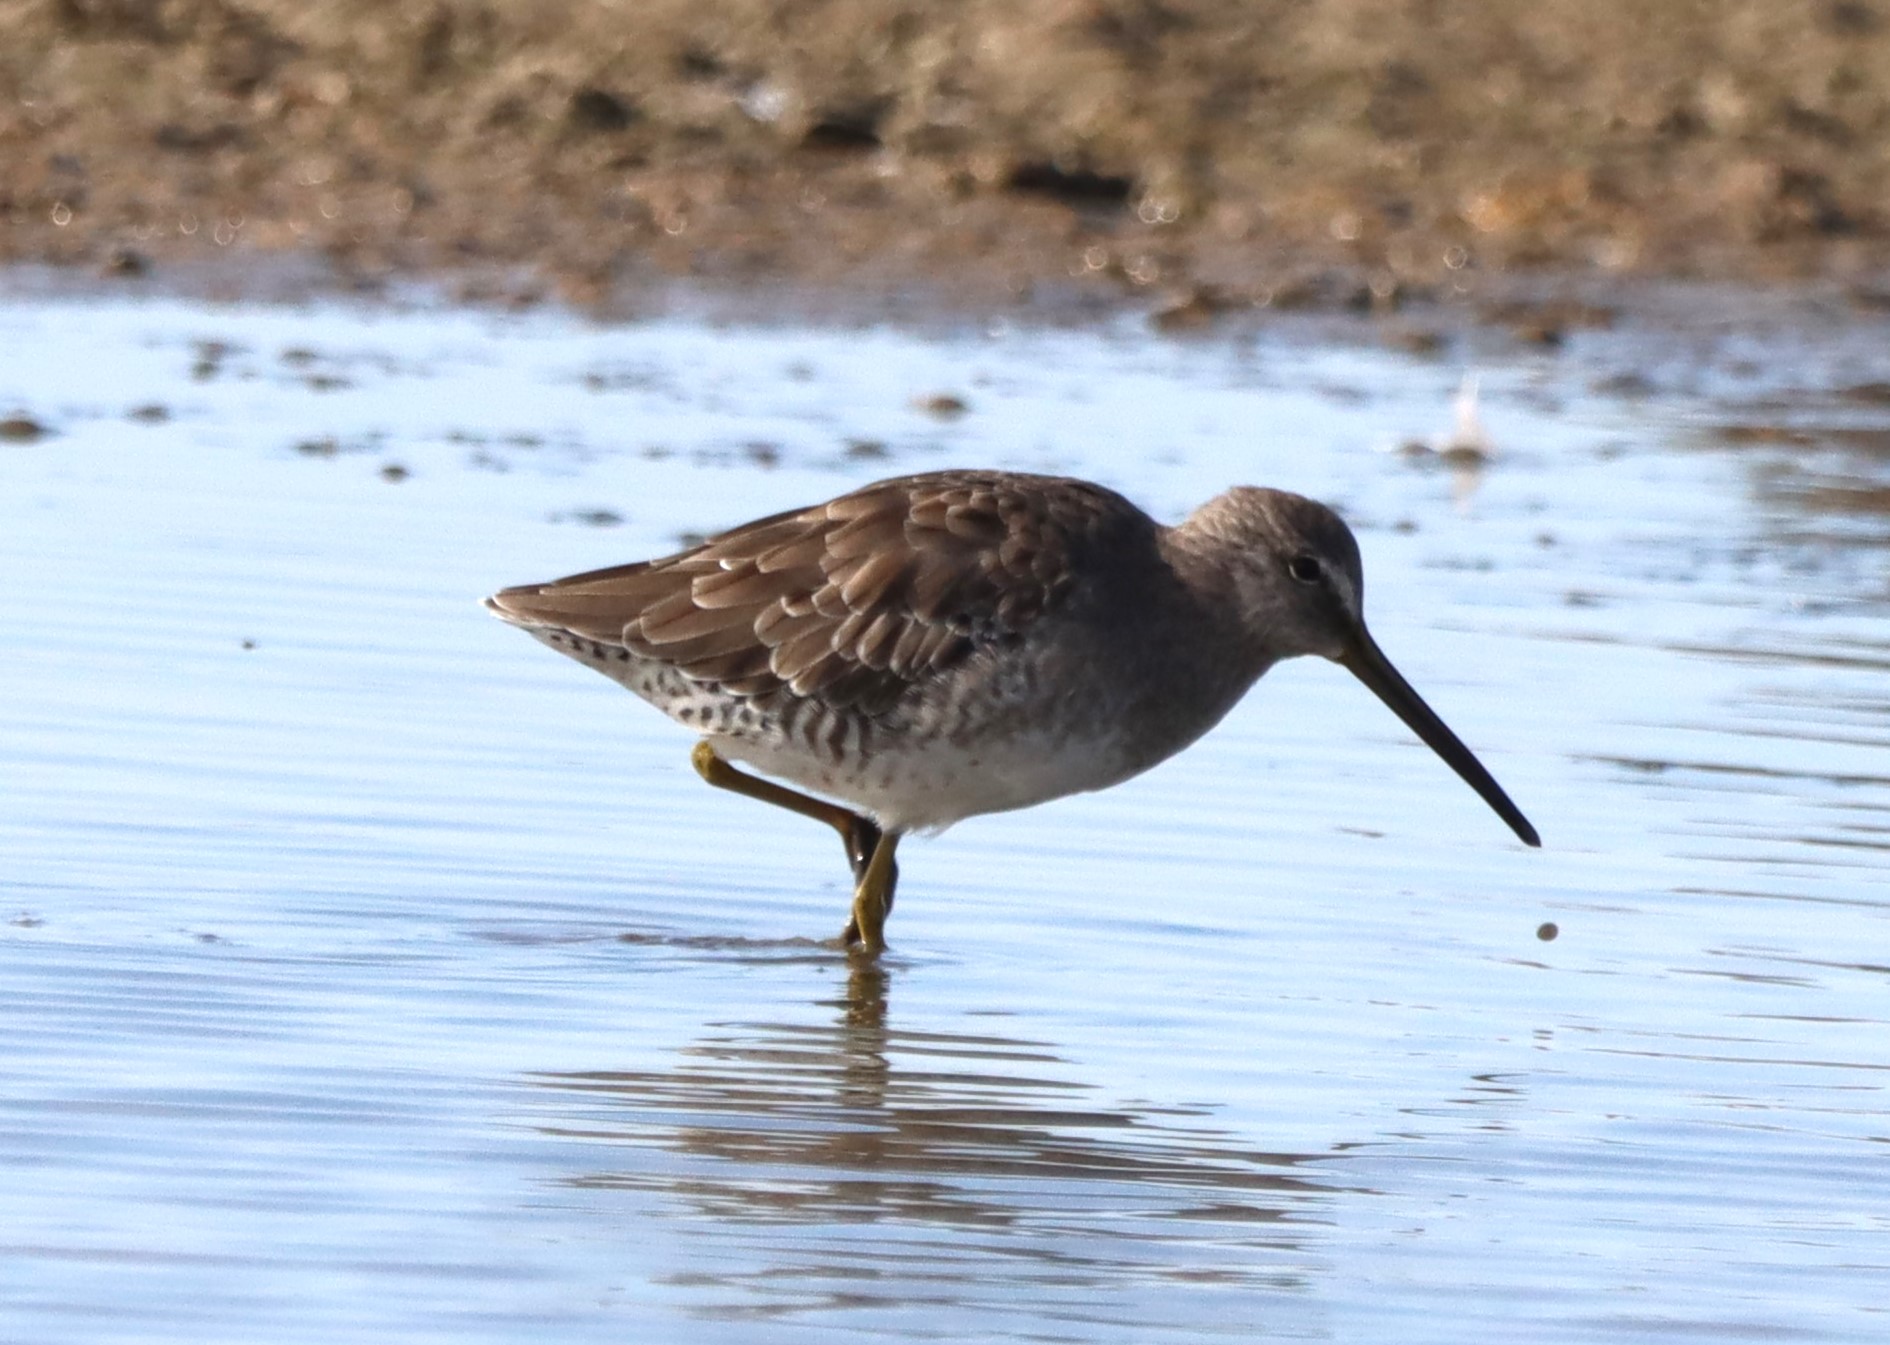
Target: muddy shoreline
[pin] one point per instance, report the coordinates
(1192, 157)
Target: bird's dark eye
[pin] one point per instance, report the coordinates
(1305, 568)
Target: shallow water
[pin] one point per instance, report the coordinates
(373, 973)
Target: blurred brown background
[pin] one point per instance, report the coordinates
(1309, 150)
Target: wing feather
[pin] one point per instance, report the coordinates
(743, 586)
(855, 602)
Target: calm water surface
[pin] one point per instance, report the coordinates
(368, 972)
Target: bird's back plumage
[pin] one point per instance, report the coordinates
(852, 603)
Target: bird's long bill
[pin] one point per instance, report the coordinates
(1369, 664)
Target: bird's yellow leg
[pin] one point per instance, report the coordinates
(873, 899)
(859, 834)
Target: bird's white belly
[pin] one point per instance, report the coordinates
(928, 786)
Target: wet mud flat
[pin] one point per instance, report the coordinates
(372, 973)
(1191, 154)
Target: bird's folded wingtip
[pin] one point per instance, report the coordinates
(499, 607)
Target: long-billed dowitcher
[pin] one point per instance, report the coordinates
(933, 647)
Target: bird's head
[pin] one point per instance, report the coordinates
(1294, 566)
(1300, 589)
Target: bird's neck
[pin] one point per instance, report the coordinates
(1194, 657)
(1210, 599)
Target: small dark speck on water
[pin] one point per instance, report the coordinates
(249, 644)
(689, 539)
(21, 428)
(944, 405)
(866, 450)
(594, 518)
(1545, 334)
(1740, 435)
(1627, 384)
(26, 920)
(125, 262)
(1419, 341)
(151, 413)
(393, 471)
(325, 447)
(1189, 311)
(1547, 930)
(1876, 393)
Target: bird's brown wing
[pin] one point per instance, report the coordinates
(851, 602)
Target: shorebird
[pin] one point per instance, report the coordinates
(933, 647)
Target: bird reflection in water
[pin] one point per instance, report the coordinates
(954, 1159)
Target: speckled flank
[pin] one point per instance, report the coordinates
(689, 703)
(906, 781)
